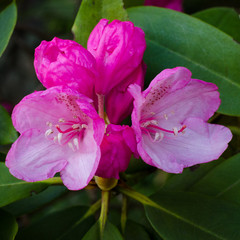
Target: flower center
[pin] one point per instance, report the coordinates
(66, 132)
(157, 133)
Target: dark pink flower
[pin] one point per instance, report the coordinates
(65, 63)
(118, 48)
(116, 149)
(170, 121)
(60, 132)
(172, 4)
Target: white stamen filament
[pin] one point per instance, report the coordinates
(158, 136)
(175, 130)
(84, 125)
(71, 146)
(150, 122)
(61, 120)
(49, 124)
(48, 132)
(59, 137)
(76, 143)
(165, 116)
(76, 126)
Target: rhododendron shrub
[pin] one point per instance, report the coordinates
(101, 125)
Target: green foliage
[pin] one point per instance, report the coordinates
(110, 232)
(7, 132)
(8, 18)
(65, 224)
(8, 226)
(13, 189)
(89, 14)
(193, 216)
(225, 19)
(176, 39)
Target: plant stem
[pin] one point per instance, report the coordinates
(124, 213)
(53, 181)
(138, 196)
(101, 105)
(104, 211)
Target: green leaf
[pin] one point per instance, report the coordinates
(193, 216)
(34, 202)
(223, 181)
(135, 231)
(176, 39)
(8, 18)
(58, 225)
(190, 176)
(8, 226)
(89, 14)
(13, 189)
(110, 232)
(225, 19)
(7, 132)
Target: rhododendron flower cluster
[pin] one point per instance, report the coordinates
(65, 129)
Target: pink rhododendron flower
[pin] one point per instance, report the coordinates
(60, 132)
(116, 149)
(112, 62)
(172, 4)
(170, 121)
(118, 48)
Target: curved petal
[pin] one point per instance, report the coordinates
(118, 48)
(39, 108)
(83, 163)
(65, 63)
(176, 96)
(115, 153)
(119, 102)
(201, 142)
(34, 158)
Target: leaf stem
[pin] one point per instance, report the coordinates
(138, 196)
(104, 211)
(53, 181)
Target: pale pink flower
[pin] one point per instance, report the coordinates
(170, 121)
(116, 150)
(60, 132)
(172, 4)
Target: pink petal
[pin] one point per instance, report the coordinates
(115, 153)
(177, 96)
(118, 49)
(172, 4)
(34, 158)
(201, 142)
(83, 163)
(65, 63)
(39, 108)
(119, 102)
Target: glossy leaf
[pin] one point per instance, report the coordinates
(34, 202)
(190, 176)
(135, 231)
(8, 226)
(89, 14)
(64, 224)
(176, 39)
(8, 18)
(193, 216)
(223, 181)
(110, 232)
(225, 19)
(13, 189)
(7, 132)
